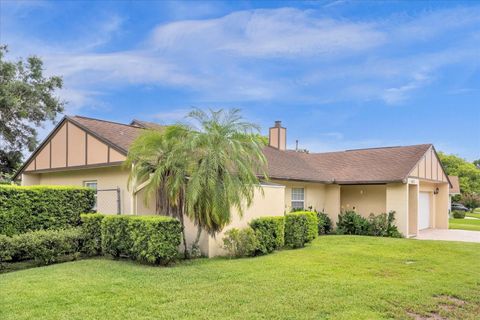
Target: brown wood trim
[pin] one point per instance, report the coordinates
(39, 148)
(431, 163)
(108, 154)
(50, 156)
(86, 148)
(444, 173)
(90, 166)
(53, 132)
(102, 139)
(35, 163)
(66, 142)
(425, 166)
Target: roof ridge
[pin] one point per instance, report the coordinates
(374, 148)
(390, 147)
(102, 120)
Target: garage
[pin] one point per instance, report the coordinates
(423, 210)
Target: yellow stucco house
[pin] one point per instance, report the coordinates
(408, 179)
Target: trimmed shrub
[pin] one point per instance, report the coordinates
(300, 228)
(155, 239)
(92, 233)
(381, 225)
(152, 239)
(44, 246)
(270, 232)
(240, 242)
(6, 248)
(458, 214)
(324, 223)
(115, 236)
(24, 209)
(350, 222)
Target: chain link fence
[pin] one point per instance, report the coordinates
(108, 201)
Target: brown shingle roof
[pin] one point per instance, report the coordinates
(376, 165)
(118, 134)
(146, 124)
(455, 185)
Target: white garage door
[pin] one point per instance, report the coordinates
(424, 210)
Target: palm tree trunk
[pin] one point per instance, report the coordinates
(182, 222)
(197, 239)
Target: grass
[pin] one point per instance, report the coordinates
(465, 224)
(473, 215)
(337, 277)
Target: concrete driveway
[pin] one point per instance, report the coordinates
(449, 235)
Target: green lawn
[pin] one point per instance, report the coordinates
(337, 277)
(465, 224)
(473, 215)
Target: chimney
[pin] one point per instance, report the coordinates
(277, 137)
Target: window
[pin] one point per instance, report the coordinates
(93, 185)
(298, 198)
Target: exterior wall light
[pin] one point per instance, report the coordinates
(436, 191)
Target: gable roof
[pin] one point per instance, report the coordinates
(455, 185)
(116, 134)
(362, 166)
(376, 165)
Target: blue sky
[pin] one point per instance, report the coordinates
(340, 74)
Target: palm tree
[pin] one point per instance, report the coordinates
(158, 157)
(227, 162)
(201, 171)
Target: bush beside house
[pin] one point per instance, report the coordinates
(24, 209)
(301, 227)
(270, 233)
(324, 223)
(43, 246)
(241, 242)
(152, 239)
(381, 225)
(92, 233)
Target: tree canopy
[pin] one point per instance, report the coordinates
(27, 100)
(468, 173)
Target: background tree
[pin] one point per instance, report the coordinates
(468, 173)
(27, 100)
(477, 163)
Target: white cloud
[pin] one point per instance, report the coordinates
(265, 33)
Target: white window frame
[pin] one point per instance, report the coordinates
(87, 184)
(297, 201)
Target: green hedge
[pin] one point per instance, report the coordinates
(92, 233)
(44, 246)
(301, 227)
(116, 236)
(152, 239)
(270, 232)
(24, 209)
